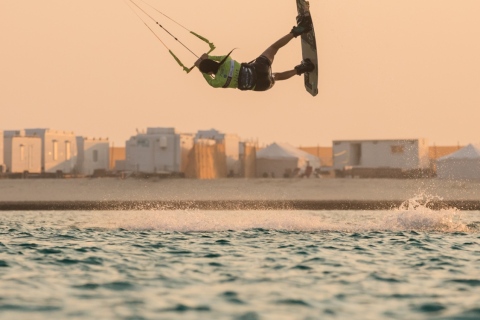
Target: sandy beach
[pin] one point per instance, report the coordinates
(112, 189)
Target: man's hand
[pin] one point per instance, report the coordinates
(203, 57)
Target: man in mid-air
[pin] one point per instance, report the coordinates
(224, 72)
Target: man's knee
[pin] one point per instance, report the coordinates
(270, 54)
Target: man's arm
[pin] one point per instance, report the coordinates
(212, 81)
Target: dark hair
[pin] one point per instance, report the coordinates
(208, 65)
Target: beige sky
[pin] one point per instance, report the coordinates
(388, 69)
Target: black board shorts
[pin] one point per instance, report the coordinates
(256, 75)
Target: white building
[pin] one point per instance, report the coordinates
(93, 154)
(461, 165)
(2, 163)
(399, 154)
(22, 153)
(159, 150)
(232, 148)
(59, 149)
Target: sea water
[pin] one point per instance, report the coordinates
(408, 263)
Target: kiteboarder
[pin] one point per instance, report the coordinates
(224, 72)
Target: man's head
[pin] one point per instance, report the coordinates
(209, 66)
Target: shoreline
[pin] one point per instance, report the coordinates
(235, 194)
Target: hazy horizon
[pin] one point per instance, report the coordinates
(388, 70)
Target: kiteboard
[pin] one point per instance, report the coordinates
(309, 50)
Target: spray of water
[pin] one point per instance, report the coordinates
(413, 215)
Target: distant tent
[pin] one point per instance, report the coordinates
(461, 165)
(283, 160)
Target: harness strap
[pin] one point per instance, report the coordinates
(230, 74)
(248, 77)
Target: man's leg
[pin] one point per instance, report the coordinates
(304, 25)
(273, 49)
(305, 66)
(279, 76)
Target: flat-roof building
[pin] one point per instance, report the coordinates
(395, 155)
(59, 149)
(232, 148)
(159, 150)
(22, 153)
(93, 154)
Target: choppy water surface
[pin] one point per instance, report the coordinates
(406, 264)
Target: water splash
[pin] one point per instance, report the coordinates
(415, 214)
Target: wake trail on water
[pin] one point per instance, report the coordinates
(412, 215)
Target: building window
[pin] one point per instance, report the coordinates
(397, 149)
(143, 143)
(30, 155)
(67, 150)
(356, 154)
(22, 152)
(95, 155)
(163, 142)
(55, 150)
